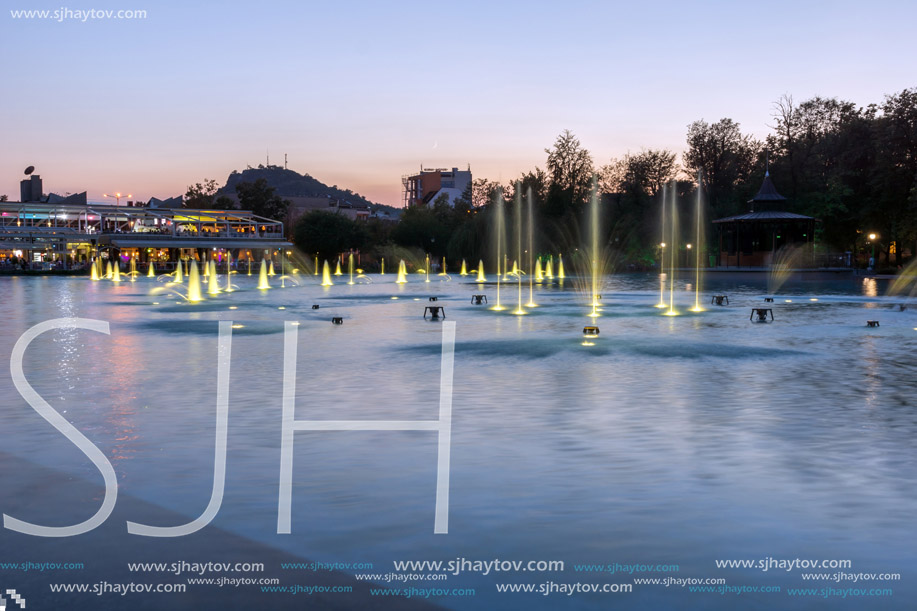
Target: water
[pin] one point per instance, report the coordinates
(670, 440)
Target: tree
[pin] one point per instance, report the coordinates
(201, 195)
(327, 233)
(4, 198)
(537, 181)
(725, 156)
(895, 176)
(259, 197)
(570, 170)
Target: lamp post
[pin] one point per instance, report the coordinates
(872, 239)
(117, 197)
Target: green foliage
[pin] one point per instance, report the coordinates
(328, 234)
(201, 195)
(259, 197)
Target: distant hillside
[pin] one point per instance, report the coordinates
(288, 183)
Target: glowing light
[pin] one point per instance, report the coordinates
(263, 283)
(402, 273)
(238, 326)
(233, 307)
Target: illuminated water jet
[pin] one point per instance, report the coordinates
(326, 275)
(194, 284)
(464, 271)
(402, 273)
(213, 281)
(481, 276)
(263, 284)
(698, 241)
(151, 273)
(337, 269)
(673, 217)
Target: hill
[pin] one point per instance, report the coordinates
(287, 183)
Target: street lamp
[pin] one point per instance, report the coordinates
(872, 239)
(117, 197)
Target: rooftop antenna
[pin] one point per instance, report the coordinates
(767, 163)
(284, 161)
(268, 158)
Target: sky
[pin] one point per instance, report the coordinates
(358, 94)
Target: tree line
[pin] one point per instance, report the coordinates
(852, 167)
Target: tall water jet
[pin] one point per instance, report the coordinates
(270, 269)
(249, 265)
(151, 273)
(229, 288)
(549, 268)
(213, 280)
(94, 271)
(194, 284)
(673, 247)
(531, 248)
(108, 272)
(539, 274)
(178, 273)
(206, 265)
(402, 273)
(382, 272)
(481, 276)
(326, 275)
(263, 284)
(698, 242)
(337, 269)
(595, 256)
(560, 267)
(316, 265)
(133, 272)
(427, 278)
(116, 272)
(464, 271)
(443, 273)
(499, 232)
(661, 303)
(350, 267)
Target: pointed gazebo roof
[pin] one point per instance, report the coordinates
(767, 193)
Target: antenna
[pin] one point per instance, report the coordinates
(268, 158)
(284, 161)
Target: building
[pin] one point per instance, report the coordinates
(427, 186)
(67, 232)
(753, 239)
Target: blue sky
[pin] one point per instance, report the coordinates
(359, 93)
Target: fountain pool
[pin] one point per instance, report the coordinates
(665, 440)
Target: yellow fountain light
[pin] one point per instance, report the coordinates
(295, 323)
(238, 326)
(263, 283)
(671, 312)
(233, 307)
(813, 299)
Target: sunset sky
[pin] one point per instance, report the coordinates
(359, 93)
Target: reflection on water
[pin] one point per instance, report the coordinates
(665, 440)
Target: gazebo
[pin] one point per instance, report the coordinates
(753, 239)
